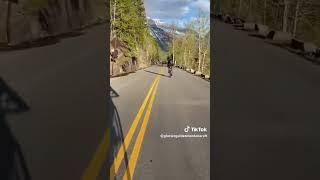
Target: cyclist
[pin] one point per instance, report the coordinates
(170, 64)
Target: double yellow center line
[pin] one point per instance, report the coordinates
(124, 146)
(137, 147)
(100, 156)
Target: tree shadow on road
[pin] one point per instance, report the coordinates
(157, 73)
(116, 136)
(12, 163)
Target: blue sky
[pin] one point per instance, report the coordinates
(179, 11)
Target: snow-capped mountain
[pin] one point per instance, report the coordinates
(162, 33)
(162, 36)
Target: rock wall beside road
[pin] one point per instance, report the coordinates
(54, 18)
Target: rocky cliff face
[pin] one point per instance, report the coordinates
(19, 24)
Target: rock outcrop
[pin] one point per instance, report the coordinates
(19, 23)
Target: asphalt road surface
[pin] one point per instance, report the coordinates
(75, 128)
(64, 86)
(266, 110)
(265, 119)
(180, 101)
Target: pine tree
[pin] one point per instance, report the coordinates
(129, 25)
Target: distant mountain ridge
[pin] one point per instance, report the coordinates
(161, 32)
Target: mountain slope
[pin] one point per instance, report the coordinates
(162, 33)
(162, 37)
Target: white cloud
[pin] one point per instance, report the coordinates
(185, 9)
(203, 5)
(174, 10)
(164, 9)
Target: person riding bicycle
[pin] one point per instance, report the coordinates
(170, 63)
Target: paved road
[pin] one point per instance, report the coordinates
(266, 111)
(180, 101)
(64, 86)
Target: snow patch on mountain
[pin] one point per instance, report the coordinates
(162, 33)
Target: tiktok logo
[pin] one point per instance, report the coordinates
(187, 129)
